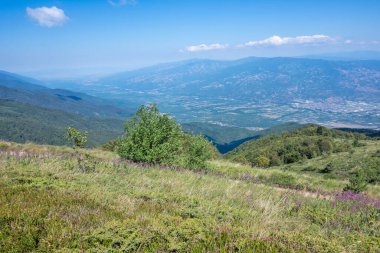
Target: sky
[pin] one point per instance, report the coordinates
(38, 36)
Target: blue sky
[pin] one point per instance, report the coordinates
(126, 34)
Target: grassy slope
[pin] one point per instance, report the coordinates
(342, 163)
(23, 122)
(47, 204)
(347, 153)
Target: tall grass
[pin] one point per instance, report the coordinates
(48, 204)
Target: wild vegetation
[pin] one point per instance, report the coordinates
(158, 189)
(22, 123)
(316, 150)
(49, 204)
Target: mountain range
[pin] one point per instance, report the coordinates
(229, 102)
(251, 92)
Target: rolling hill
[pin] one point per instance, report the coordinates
(27, 90)
(314, 149)
(22, 123)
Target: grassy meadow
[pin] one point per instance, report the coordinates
(48, 204)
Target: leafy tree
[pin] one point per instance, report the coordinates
(156, 138)
(150, 137)
(77, 138)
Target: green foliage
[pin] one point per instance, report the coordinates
(305, 143)
(150, 137)
(22, 123)
(111, 145)
(357, 182)
(262, 161)
(156, 138)
(123, 208)
(195, 151)
(77, 138)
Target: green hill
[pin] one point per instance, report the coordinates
(314, 149)
(28, 123)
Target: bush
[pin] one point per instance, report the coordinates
(77, 138)
(150, 137)
(262, 161)
(156, 138)
(329, 167)
(111, 145)
(196, 150)
(357, 182)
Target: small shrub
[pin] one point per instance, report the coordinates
(327, 169)
(77, 138)
(357, 183)
(111, 145)
(196, 150)
(284, 180)
(262, 161)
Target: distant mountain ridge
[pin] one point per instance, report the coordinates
(27, 90)
(277, 79)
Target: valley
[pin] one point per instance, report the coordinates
(252, 93)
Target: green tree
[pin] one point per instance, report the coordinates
(150, 137)
(156, 138)
(76, 137)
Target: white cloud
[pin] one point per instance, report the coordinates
(279, 41)
(121, 2)
(204, 47)
(46, 16)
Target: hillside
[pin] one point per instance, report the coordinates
(314, 149)
(26, 90)
(121, 206)
(21, 122)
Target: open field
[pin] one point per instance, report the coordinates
(49, 204)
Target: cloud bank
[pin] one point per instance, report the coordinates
(205, 47)
(47, 17)
(279, 41)
(274, 40)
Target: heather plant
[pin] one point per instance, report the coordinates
(356, 210)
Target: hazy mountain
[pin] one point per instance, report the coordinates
(27, 90)
(274, 79)
(347, 56)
